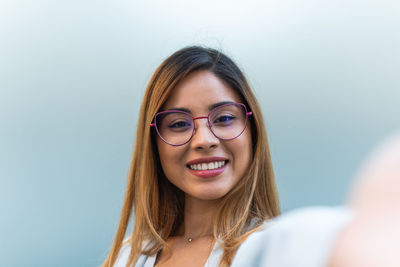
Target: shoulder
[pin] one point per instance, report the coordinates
(303, 237)
(123, 256)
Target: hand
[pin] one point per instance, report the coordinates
(372, 239)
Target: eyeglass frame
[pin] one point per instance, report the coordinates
(247, 113)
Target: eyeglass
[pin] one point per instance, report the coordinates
(226, 122)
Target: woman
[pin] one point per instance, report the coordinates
(183, 209)
(201, 182)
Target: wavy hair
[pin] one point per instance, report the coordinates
(157, 204)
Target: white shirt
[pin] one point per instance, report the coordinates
(302, 237)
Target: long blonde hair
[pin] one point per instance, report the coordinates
(157, 204)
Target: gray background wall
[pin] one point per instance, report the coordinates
(72, 75)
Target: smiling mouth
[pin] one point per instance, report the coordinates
(208, 166)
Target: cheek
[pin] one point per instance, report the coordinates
(247, 143)
(243, 151)
(164, 156)
(170, 159)
(161, 150)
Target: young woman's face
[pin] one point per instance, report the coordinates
(197, 93)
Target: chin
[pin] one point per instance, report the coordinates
(210, 194)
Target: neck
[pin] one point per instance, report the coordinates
(198, 218)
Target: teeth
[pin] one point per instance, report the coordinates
(207, 166)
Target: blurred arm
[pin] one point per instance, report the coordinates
(372, 239)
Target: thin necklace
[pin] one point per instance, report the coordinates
(191, 239)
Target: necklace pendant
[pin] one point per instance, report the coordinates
(190, 239)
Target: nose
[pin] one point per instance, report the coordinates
(203, 138)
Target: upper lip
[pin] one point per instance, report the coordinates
(206, 160)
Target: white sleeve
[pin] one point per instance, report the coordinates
(123, 257)
(302, 237)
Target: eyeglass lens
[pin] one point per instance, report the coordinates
(226, 122)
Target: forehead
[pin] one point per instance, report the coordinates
(199, 90)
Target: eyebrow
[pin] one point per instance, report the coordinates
(209, 108)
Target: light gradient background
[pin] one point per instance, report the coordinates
(72, 75)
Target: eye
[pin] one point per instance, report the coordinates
(179, 125)
(224, 119)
